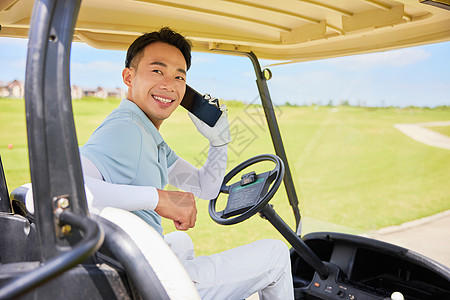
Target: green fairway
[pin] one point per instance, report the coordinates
(445, 130)
(353, 171)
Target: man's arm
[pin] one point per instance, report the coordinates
(123, 196)
(177, 206)
(205, 182)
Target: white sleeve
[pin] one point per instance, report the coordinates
(127, 197)
(205, 182)
(89, 169)
(101, 194)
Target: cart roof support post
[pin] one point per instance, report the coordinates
(275, 134)
(53, 149)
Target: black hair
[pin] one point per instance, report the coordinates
(164, 35)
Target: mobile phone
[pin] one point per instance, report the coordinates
(194, 102)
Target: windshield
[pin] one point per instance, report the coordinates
(366, 136)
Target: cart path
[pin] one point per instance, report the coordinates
(429, 236)
(420, 133)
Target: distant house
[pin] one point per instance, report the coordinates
(116, 93)
(103, 93)
(4, 91)
(76, 92)
(16, 89)
(99, 92)
(13, 89)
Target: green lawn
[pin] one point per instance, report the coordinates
(353, 171)
(445, 130)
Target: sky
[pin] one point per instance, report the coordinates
(418, 76)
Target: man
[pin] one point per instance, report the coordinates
(126, 164)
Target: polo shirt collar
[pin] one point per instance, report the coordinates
(131, 106)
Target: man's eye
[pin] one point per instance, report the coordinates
(157, 71)
(180, 78)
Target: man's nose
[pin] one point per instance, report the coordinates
(168, 83)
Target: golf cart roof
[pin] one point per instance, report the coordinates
(288, 30)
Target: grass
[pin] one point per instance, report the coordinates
(353, 171)
(445, 130)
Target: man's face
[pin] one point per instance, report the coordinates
(158, 83)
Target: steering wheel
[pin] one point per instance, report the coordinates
(249, 195)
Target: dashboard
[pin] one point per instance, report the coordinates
(364, 269)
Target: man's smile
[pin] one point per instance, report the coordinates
(163, 99)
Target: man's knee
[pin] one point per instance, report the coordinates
(274, 253)
(279, 246)
(178, 237)
(181, 244)
(276, 247)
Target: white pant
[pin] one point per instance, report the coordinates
(263, 266)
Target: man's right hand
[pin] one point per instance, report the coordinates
(179, 207)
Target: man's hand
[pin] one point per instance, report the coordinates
(218, 135)
(179, 207)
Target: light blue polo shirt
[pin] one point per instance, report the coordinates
(128, 149)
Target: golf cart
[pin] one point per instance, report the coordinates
(61, 246)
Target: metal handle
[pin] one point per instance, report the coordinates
(93, 239)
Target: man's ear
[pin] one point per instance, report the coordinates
(127, 76)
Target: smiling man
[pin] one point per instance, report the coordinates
(126, 164)
(158, 83)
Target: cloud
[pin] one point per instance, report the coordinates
(12, 69)
(13, 64)
(97, 72)
(199, 59)
(13, 42)
(294, 81)
(303, 87)
(97, 66)
(12, 58)
(394, 58)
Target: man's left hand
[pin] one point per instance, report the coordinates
(218, 135)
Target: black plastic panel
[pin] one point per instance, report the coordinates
(5, 205)
(363, 268)
(17, 239)
(82, 282)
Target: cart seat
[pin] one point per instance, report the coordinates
(19, 202)
(156, 251)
